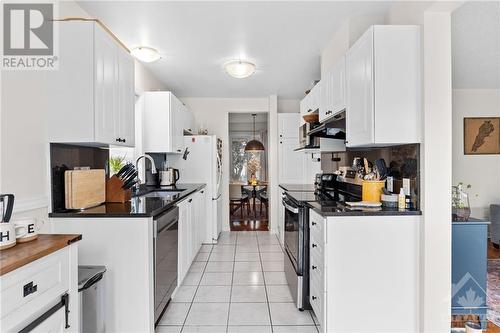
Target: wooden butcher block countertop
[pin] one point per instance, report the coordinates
(24, 253)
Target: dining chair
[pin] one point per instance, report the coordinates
(237, 199)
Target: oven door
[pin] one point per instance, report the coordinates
(294, 234)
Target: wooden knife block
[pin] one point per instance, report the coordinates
(114, 191)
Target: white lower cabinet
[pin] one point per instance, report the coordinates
(191, 218)
(54, 324)
(51, 277)
(281, 218)
(364, 272)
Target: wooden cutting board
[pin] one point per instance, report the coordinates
(84, 188)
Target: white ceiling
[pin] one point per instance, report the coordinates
(476, 45)
(284, 39)
(247, 118)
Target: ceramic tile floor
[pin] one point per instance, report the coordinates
(236, 286)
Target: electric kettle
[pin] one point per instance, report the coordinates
(169, 177)
(6, 207)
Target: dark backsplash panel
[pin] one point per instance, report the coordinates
(403, 162)
(66, 157)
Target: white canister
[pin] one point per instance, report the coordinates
(26, 229)
(8, 235)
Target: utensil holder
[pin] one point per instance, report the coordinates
(372, 190)
(115, 192)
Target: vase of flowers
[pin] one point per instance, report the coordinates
(253, 166)
(460, 203)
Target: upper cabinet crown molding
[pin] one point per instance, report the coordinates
(383, 81)
(164, 118)
(92, 94)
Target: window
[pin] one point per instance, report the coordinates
(240, 159)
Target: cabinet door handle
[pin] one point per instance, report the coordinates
(314, 267)
(281, 142)
(29, 289)
(118, 140)
(190, 200)
(281, 135)
(313, 223)
(314, 298)
(178, 150)
(124, 140)
(202, 192)
(314, 245)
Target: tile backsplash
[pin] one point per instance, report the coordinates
(402, 161)
(66, 157)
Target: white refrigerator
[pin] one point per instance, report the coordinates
(203, 164)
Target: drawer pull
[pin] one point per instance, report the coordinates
(314, 245)
(314, 223)
(29, 289)
(314, 267)
(314, 298)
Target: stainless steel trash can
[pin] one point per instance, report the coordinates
(91, 291)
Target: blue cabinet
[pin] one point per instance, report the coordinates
(469, 268)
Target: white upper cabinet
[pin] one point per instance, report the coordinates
(311, 102)
(92, 92)
(126, 98)
(164, 121)
(383, 86)
(359, 117)
(333, 92)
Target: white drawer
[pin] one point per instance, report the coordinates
(49, 278)
(317, 273)
(317, 300)
(316, 248)
(316, 225)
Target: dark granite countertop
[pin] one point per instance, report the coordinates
(342, 210)
(298, 187)
(141, 205)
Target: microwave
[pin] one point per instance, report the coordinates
(307, 141)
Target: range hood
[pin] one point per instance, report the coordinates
(332, 129)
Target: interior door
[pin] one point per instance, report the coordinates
(106, 87)
(291, 163)
(359, 71)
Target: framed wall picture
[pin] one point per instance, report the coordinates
(482, 135)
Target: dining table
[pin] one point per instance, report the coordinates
(252, 188)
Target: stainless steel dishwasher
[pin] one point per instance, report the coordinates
(165, 242)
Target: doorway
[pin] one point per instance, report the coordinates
(475, 37)
(248, 178)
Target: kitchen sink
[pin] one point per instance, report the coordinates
(162, 194)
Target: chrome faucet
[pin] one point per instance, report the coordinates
(153, 170)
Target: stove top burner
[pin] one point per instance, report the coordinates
(329, 200)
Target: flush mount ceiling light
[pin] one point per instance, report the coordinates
(145, 54)
(239, 69)
(254, 145)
